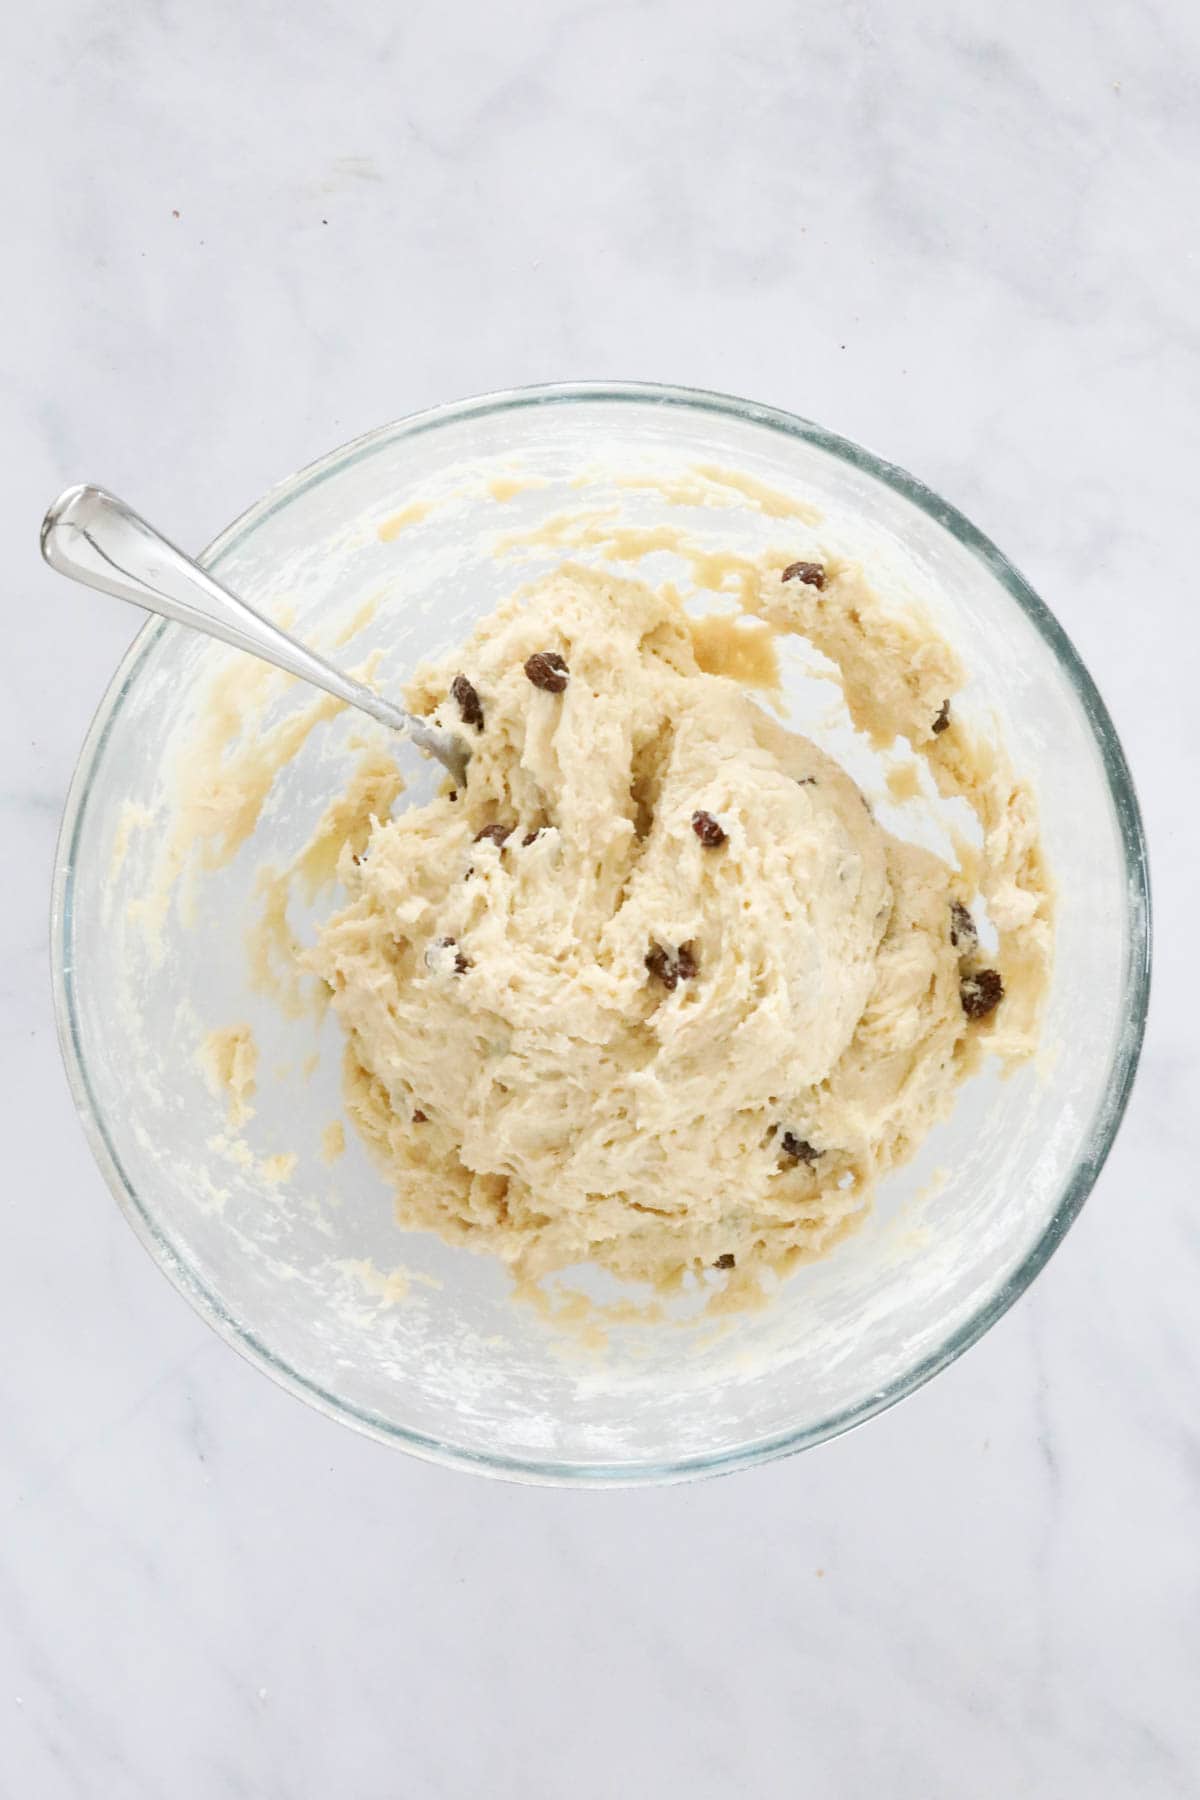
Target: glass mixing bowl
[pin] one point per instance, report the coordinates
(306, 1273)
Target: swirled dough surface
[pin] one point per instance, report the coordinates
(601, 1038)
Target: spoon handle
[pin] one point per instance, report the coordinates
(96, 539)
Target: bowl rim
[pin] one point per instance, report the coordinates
(1097, 1141)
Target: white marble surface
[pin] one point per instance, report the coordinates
(962, 234)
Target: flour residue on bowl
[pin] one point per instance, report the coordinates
(229, 1058)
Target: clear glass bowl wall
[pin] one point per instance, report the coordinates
(453, 1369)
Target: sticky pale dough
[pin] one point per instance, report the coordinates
(574, 1108)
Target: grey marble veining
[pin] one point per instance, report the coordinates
(963, 235)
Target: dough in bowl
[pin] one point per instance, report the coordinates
(655, 990)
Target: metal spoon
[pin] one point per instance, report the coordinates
(95, 538)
